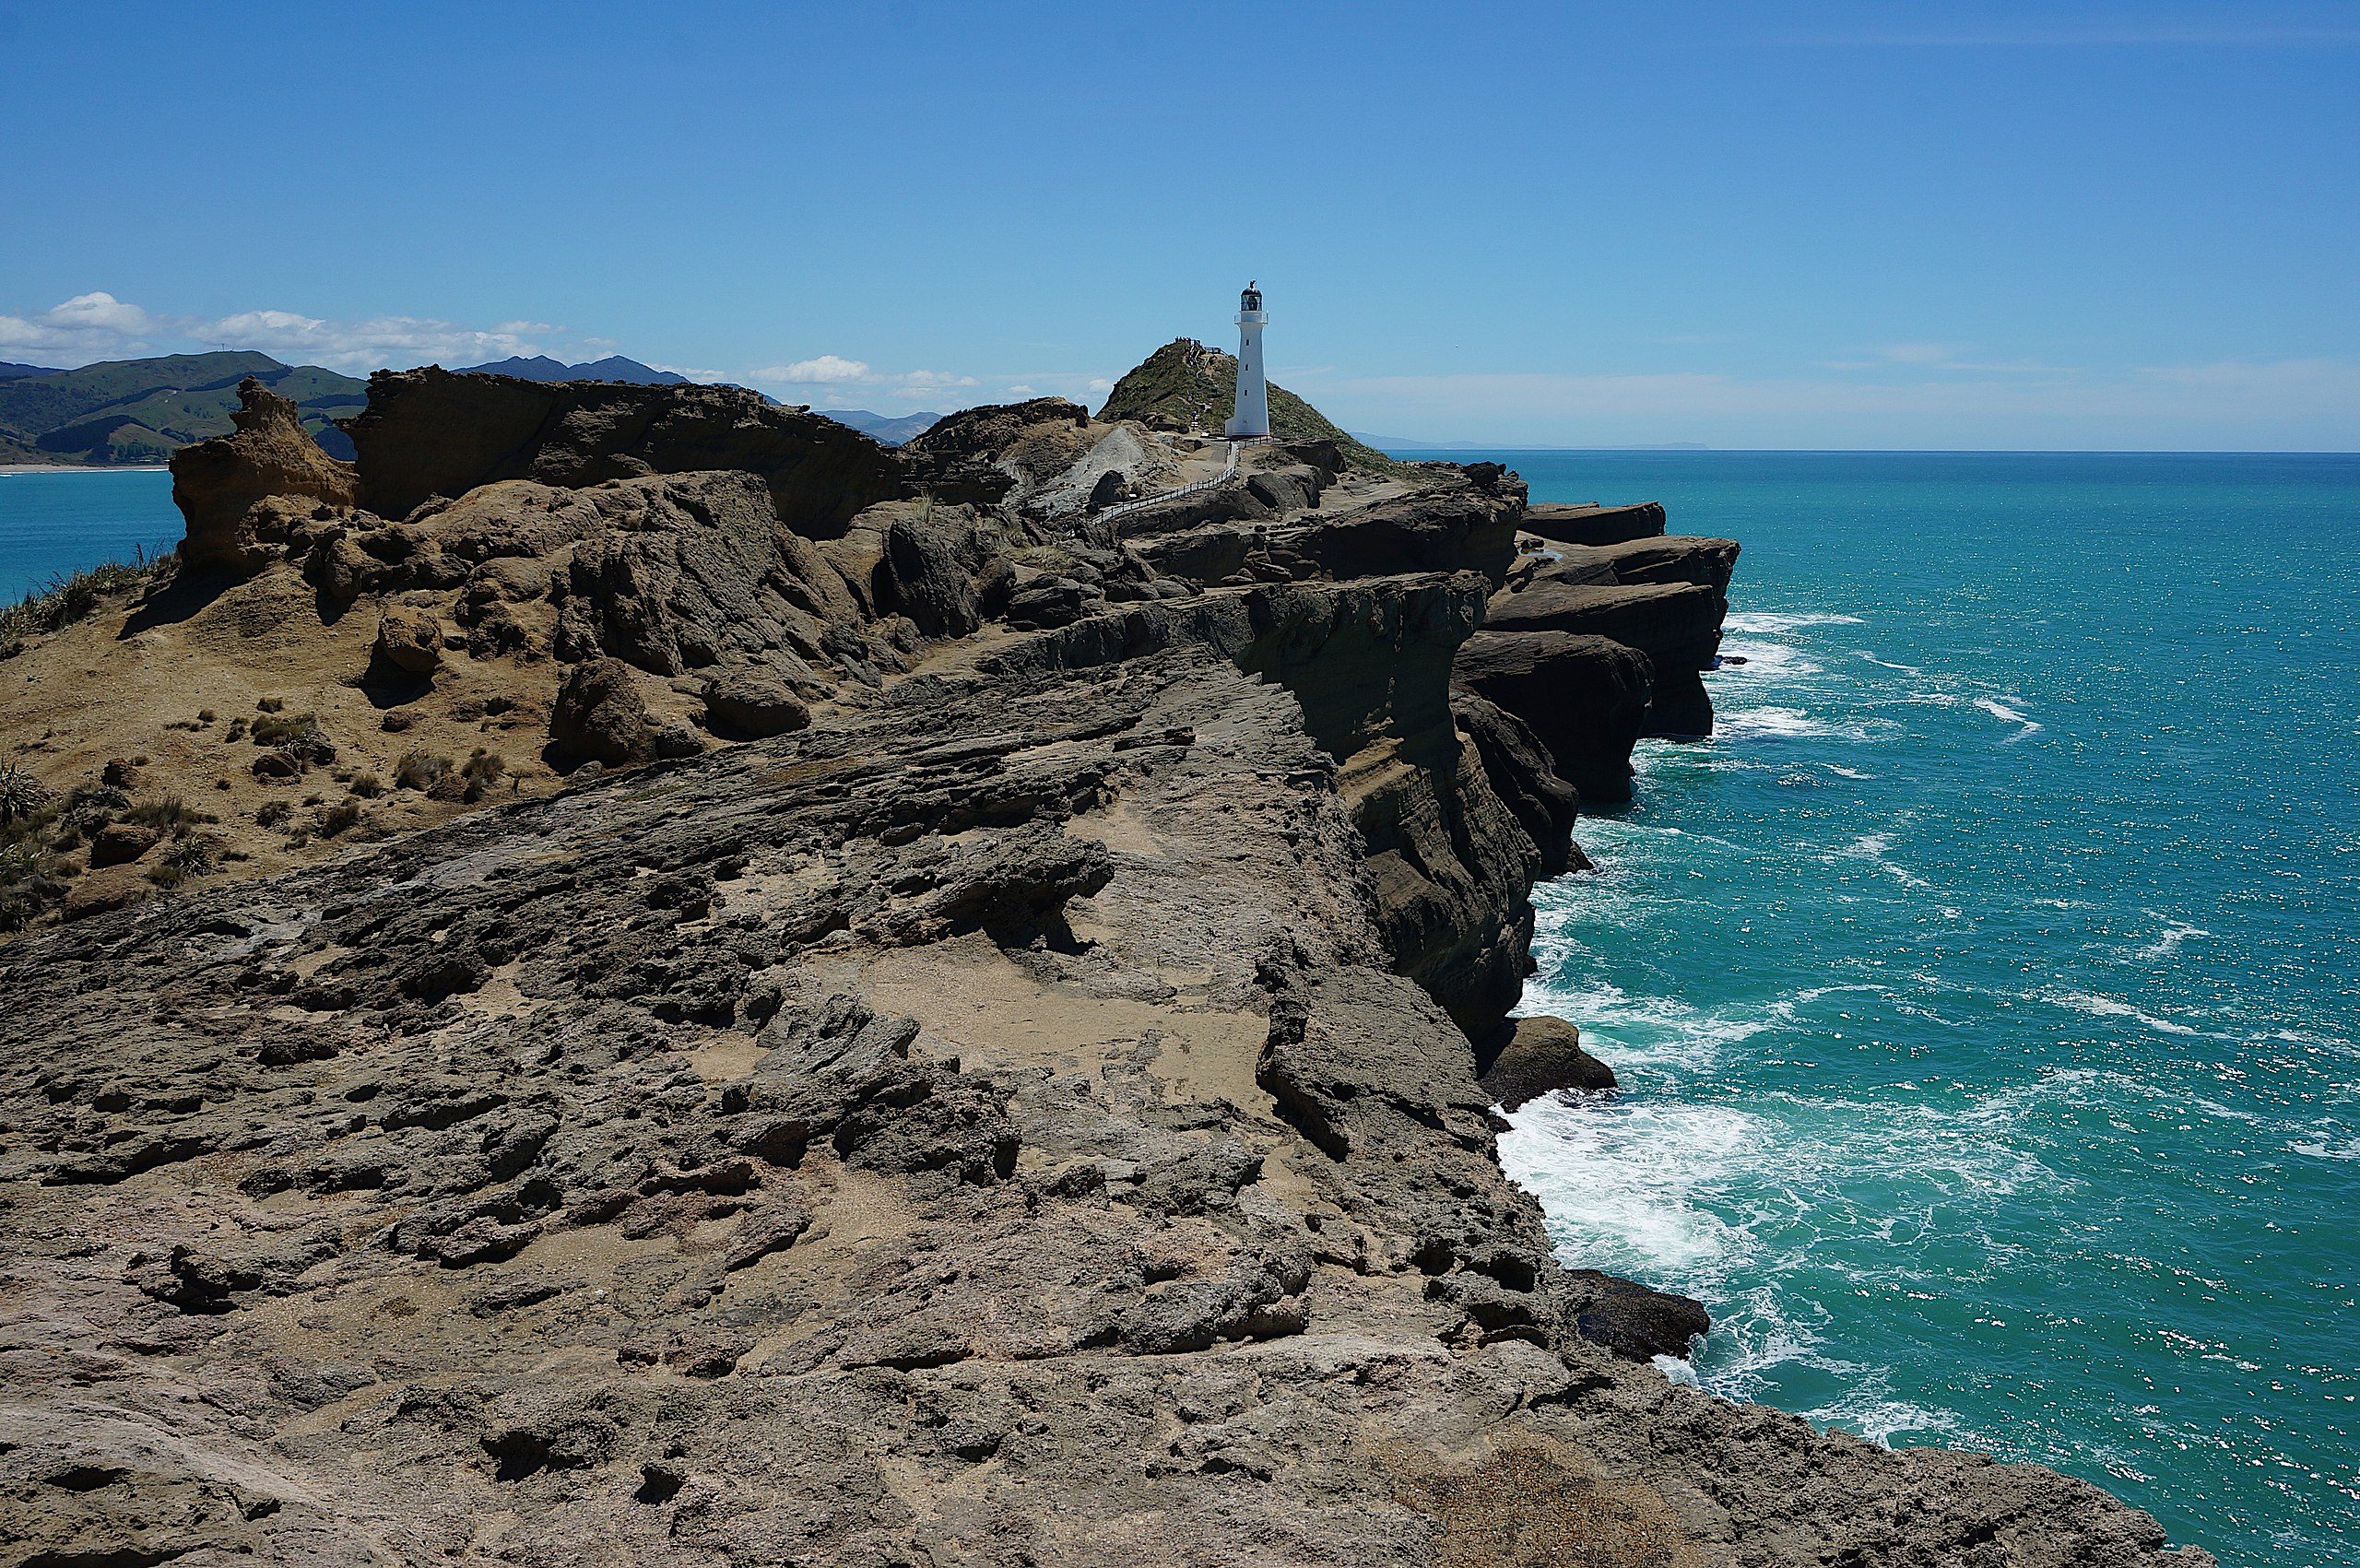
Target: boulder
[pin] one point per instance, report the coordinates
(1540, 1056)
(119, 843)
(1051, 601)
(929, 572)
(679, 739)
(105, 890)
(1594, 524)
(599, 715)
(678, 573)
(1110, 487)
(240, 494)
(1631, 1320)
(745, 705)
(408, 642)
(1586, 698)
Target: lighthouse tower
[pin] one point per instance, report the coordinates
(1253, 416)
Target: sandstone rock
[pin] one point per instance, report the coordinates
(1677, 558)
(410, 643)
(1446, 528)
(1051, 602)
(1584, 698)
(239, 493)
(428, 432)
(599, 715)
(1677, 625)
(676, 740)
(104, 891)
(745, 706)
(1542, 1055)
(930, 564)
(679, 573)
(1523, 775)
(1594, 524)
(1633, 1321)
(120, 842)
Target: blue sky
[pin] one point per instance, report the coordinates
(1924, 225)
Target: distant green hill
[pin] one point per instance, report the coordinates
(1185, 386)
(126, 411)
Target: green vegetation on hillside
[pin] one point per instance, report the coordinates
(124, 411)
(1187, 386)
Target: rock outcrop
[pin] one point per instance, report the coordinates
(1541, 1055)
(1586, 698)
(1011, 1100)
(429, 433)
(988, 1125)
(1594, 524)
(241, 492)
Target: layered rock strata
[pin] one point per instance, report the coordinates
(1010, 1100)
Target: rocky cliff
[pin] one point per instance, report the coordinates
(963, 1049)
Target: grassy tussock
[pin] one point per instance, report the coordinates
(75, 597)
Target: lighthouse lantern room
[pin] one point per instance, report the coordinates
(1253, 415)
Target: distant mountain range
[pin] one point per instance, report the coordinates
(134, 411)
(890, 429)
(614, 367)
(123, 412)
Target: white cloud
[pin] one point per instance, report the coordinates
(377, 342)
(1021, 390)
(932, 380)
(828, 369)
(97, 325)
(1100, 383)
(85, 327)
(99, 313)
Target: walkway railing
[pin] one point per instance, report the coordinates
(1228, 472)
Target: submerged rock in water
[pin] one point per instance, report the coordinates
(1538, 1056)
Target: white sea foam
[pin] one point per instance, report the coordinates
(1872, 848)
(1906, 669)
(2175, 933)
(2111, 1007)
(2006, 714)
(1762, 659)
(1847, 772)
(1786, 723)
(1772, 622)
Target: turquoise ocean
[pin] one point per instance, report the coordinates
(55, 525)
(1986, 992)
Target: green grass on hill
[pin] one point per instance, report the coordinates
(1187, 386)
(125, 411)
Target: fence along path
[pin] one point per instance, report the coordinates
(1228, 472)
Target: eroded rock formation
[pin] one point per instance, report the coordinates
(1010, 1100)
(241, 493)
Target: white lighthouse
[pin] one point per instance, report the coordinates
(1253, 416)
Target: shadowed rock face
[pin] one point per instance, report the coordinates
(1586, 698)
(428, 433)
(240, 493)
(1594, 524)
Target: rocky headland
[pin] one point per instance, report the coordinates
(633, 976)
